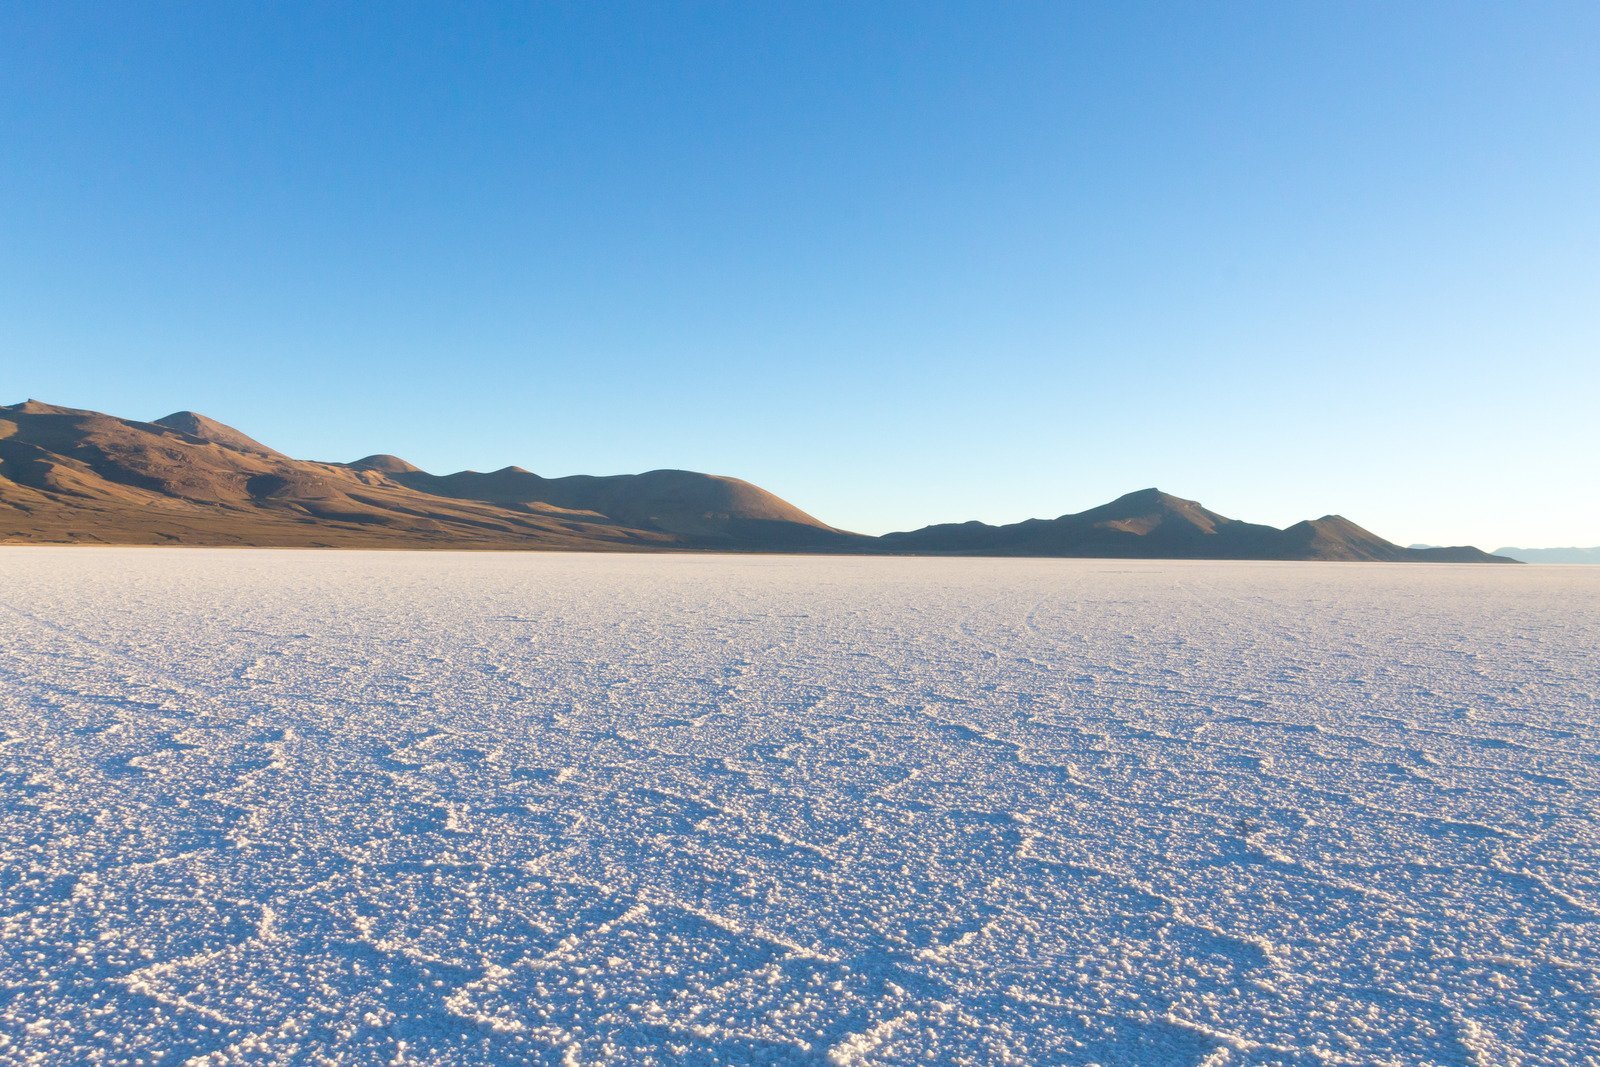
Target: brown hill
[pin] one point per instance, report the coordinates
(692, 506)
(1150, 524)
(68, 475)
(204, 429)
(386, 464)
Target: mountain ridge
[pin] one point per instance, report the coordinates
(1150, 524)
(70, 475)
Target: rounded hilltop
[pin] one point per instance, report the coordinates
(208, 429)
(384, 463)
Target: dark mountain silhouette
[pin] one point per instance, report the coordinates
(68, 475)
(1152, 524)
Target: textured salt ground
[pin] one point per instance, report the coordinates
(303, 807)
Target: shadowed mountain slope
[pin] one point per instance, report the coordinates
(68, 475)
(1150, 524)
(385, 464)
(198, 426)
(684, 503)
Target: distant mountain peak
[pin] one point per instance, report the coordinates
(1336, 522)
(39, 407)
(384, 463)
(1143, 501)
(1148, 509)
(208, 429)
(1151, 524)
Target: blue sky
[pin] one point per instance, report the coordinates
(899, 263)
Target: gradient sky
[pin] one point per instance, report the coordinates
(898, 263)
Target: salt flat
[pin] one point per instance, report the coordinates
(313, 807)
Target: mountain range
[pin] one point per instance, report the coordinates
(74, 476)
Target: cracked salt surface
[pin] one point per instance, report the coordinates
(300, 807)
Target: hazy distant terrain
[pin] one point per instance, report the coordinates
(1551, 555)
(274, 807)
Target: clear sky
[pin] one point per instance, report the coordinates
(898, 263)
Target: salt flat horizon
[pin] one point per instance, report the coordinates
(429, 550)
(474, 807)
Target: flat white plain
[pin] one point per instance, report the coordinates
(340, 807)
